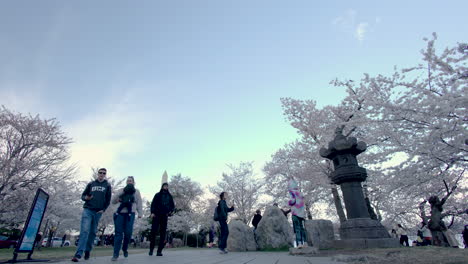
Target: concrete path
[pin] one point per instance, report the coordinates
(211, 257)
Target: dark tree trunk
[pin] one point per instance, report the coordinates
(338, 204)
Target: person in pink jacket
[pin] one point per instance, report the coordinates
(298, 213)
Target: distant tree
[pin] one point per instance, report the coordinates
(185, 192)
(243, 188)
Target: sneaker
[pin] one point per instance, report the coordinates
(86, 255)
(75, 259)
(159, 254)
(114, 258)
(125, 254)
(150, 252)
(222, 251)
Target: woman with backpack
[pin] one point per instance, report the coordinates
(125, 216)
(221, 215)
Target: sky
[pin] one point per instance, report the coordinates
(190, 86)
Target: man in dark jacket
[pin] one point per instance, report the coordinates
(161, 207)
(96, 196)
(256, 219)
(223, 211)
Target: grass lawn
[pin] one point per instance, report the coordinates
(63, 253)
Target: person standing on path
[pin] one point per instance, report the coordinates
(124, 219)
(401, 231)
(38, 240)
(298, 213)
(97, 197)
(256, 219)
(161, 207)
(223, 211)
(63, 240)
(211, 235)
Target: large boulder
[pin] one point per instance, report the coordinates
(320, 233)
(241, 237)
(274, 230)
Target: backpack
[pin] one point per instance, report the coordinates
(216, 215)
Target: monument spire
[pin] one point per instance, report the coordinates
(164, 178)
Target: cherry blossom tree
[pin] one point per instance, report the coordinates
(244, 189)
(185, 192)
(414, 122)
(33, 154)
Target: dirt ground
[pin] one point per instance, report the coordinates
(413, 255)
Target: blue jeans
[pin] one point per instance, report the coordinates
(123, 224)
(224, 234)
(298, 225)
(89, 223)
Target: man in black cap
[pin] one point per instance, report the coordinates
(161, 207)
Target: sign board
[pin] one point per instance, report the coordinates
(33, 223)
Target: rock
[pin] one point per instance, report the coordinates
(320, 233)
(274, 231)
(145, 244)
(177, 242)
(303, 251)
(241, 237)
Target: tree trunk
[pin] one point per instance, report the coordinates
(338, 204)
(43, 235)
(50, 236)
(308, 213)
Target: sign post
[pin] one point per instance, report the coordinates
(31, 228)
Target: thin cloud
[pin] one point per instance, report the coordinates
(349, 24)
(361, 31)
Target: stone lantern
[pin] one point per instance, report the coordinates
(359, 230)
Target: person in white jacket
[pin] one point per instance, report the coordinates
(123, 219)
(401, 231)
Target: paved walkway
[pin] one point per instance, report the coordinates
(211, 257)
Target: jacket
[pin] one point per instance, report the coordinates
(101, 192)
(163, 203)
(223, 210)
(138, 202)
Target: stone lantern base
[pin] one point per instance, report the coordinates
(362, 228)
(366, 243)
(364, 233)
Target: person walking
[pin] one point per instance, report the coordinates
(97, 197)
(211, 235)
(401, 231)
(63, 240)
(161, 207)
(223, 211)
(298, 213)
(125, 217)
(38, 240)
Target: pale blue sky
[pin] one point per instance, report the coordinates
(188, 86)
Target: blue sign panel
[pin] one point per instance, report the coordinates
(33, 223)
